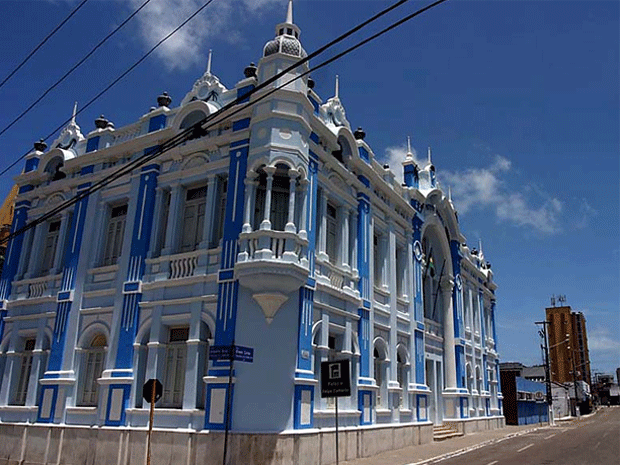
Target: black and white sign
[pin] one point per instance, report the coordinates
(336, 378)
(147, 390)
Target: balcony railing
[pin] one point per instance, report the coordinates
(338, 277)
(184, 265)
(272, 245)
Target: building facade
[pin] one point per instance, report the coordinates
(524, 400)
(568, 345)
(275, 229)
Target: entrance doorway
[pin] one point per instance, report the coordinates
(434, 377)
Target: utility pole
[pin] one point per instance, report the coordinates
(543, 334)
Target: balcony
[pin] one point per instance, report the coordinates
(183, 265)
(272, 264)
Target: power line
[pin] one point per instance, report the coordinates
(185, 135)
(76, 66)
(61, 24)
(115, 81)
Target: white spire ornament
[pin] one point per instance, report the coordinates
(337, 89)
(74, 113)
(289, 12)
(209, 62)
(409, 153)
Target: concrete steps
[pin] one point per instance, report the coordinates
(445, 431)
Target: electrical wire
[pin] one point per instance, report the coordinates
(115, 81)
(185, 135)
(61, 24)
(73, 68)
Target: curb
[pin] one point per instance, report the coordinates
(456, 453)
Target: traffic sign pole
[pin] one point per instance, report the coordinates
(336, 430)
(228, 401)
(148, 447)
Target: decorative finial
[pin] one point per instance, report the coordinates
(450, 194)
(409, 154)
(429, 156)
(480, 247)
(74, 113)
(209, 61)
(289, 13)
(337, 92)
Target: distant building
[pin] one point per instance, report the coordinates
(524, 400)
(568, 345)
(6, 219)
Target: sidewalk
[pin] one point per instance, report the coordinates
(426, 452)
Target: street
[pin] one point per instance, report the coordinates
(593, 440)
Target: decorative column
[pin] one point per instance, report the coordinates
(58, 381)
(266, 223)
(126, 321)
(176, 200)
(218, 392)
(290, 224)
(448, 333)
(64, 223)
(365, 331)
(344, 248)
(322, 254)
(40, 230)
(394, 387)
(305, 378)
(250, 195)
(191, 388)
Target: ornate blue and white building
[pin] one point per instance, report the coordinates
(276, 229)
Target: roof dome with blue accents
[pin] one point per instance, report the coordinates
(287, 38)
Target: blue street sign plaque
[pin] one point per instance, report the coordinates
(239, 353)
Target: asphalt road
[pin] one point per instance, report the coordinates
(591, 441)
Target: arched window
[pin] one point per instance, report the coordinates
(93, 363)
(23, 376)
(53, 168)
(401, 375)
(278, 212)
(174, 369)
(380, 367)
(190, 120)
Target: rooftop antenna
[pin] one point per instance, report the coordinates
(209, 61)
(553, 300)
(562, 299)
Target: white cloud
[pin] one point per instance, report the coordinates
(188, 45)
(487, 188)
(394, 156)
(600, 339)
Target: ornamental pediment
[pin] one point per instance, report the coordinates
(208, 89)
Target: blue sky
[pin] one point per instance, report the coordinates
(518, 100)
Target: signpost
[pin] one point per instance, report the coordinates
(151, 392)
(232, 352)
(336, 382)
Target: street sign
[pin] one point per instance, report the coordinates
(147, 390)
(335, 378)
(239, 353)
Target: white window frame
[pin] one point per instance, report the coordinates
(175, 364)
(50, 245)
(114, 234)
(331, 233)
(194, 211)
(93, 364)
(23, 377)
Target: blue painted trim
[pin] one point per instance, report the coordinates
(365, 344)
(464, 407)
(362, 396)
(243, 93)
(92, 144)
(151, 150)
(65, 296)
(152, 167)
(241, 124)
(315, 105)
(50, 419)
(298, 404)
(31, 164)
(420, 366)
(311, 283)
(304, 329)
(12, 254)
(314, 137)
(419, 326)
(126, 389)
(366, 304)
(132, 287)
(239, 143)
(364, 180)
(364, 155)
(25, 188)
(90, 169)
(417, 406)
(157, 122)
(226, 275)
(121, 373)
(218, 426)
(313, 156)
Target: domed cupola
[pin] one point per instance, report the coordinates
(287, 38)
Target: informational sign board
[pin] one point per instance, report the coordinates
(239, 353)
(336, 378)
